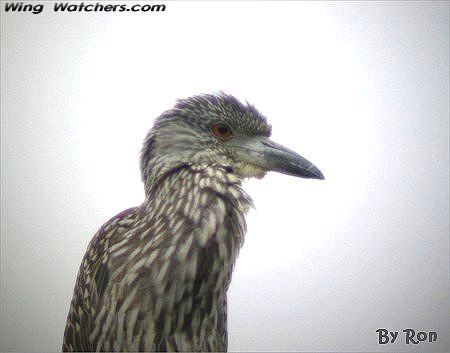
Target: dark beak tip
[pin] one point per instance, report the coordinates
(315, 173)
(320, 175)
(310, 174)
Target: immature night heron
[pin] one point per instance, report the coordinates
(155, 277)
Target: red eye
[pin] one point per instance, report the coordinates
(222, 131)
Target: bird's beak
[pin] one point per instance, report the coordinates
(268, 155)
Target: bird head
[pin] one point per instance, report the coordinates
(218, 130)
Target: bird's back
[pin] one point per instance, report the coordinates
(155, 277)
(91, 282)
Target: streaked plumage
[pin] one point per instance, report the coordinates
(155, 277)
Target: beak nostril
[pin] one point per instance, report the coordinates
(265, 143)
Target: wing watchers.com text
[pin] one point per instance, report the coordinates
(82, 7)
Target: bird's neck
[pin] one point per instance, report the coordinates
(203, 209)
(194, 183)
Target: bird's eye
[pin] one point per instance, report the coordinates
(222, 131)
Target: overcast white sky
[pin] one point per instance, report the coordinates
(360, 89)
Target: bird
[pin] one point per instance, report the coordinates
(155, 277)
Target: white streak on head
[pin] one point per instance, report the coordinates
(203, 234)
(184, 248)
(162, 272)
(191, 270)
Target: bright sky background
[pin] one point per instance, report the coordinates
(360, 89)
